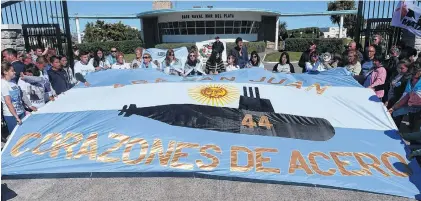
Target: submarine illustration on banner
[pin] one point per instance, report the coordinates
(255, 116)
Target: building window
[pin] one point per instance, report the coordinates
(208, 27)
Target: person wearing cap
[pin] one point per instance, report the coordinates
(218, 45)
(305, 57)
(240, 53)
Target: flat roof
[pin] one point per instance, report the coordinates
(154, 13)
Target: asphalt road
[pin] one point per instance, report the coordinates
(170, 188)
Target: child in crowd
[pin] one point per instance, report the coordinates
(231, 64)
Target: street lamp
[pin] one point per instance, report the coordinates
(301, 34)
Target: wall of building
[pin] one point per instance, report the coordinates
(11, 37)
(198, 38)
(150, 32)
(210, 15)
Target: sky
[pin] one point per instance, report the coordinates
(134, 7)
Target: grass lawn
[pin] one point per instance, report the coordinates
(274, 57)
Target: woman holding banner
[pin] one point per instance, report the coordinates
(193, 65)
(214, 65)
(171, 65)
(254, 61)
(410, 102)
(147, 61)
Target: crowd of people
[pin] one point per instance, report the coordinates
(30, 80)
(394, 78)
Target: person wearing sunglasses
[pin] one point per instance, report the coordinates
(214, 64)
(254, 61)
(193, 66)
(147, 61)
(231, 66)
(111, 58)
(120, 64)
(171, 65)
(314, 65)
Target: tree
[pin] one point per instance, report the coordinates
(349, 20)
(282, 28)
(101, 32)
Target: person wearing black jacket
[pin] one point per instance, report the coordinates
(398, 82)
(240, 53)
(305, 57)
(58, 77)
(391, 69)
(218, 45)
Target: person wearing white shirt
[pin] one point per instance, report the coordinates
(99, 62)
(231, 64)
(284, 65)
(82, 68)
(120, 64)
(171, 65)
(11, 98)
(32, 86)
(315, 65)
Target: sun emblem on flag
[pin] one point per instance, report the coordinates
(214, 94)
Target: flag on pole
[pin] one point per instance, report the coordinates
(407, 16)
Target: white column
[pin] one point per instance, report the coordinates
(277, 33)
(341, 26)
(79, 37)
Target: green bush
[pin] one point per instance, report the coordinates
(323, 44)
(127, 46)
(251, 46)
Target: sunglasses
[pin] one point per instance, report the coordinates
(192, 55)
(314, 56)
(146, 57)
(170, 54)
(113, 51)
(254, 56)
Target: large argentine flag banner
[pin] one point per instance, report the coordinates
(249, 124)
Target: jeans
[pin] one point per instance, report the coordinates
(11, 122)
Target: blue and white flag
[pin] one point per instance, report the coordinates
(252, 124)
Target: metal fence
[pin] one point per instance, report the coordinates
(39, 26)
